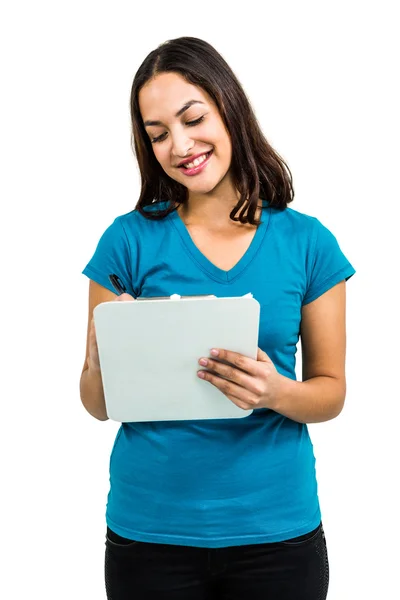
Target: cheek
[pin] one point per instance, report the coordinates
(226, 148)
(223, 143)
(228, 145)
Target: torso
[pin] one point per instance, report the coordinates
(192, 455)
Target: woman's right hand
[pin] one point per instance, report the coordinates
(93, 351)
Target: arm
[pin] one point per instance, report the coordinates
(91, 385)
(256, 383)
(321, 394)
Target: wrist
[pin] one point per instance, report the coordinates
(283, 391)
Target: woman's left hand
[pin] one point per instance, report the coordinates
(249, 383)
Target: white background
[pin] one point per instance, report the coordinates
(322, 79)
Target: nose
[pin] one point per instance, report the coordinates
(181, 144)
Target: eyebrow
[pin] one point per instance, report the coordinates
(178, 114)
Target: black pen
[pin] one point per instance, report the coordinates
(117, 284)
(121, 289)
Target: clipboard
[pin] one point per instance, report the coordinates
(149, 354)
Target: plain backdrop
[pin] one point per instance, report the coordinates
(323, 81)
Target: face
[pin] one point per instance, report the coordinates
(185, 127)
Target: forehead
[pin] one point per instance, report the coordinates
(163, 96)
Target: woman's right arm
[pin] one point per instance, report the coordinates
(91, 385)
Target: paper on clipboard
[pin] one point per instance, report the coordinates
(149, 354)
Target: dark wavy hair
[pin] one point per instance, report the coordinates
(257, 169)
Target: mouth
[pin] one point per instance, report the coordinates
(192, 168)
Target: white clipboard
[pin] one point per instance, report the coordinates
(149, 354)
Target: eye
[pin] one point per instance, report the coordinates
(196, 122)
(159, 138)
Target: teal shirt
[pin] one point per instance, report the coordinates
(219, 483)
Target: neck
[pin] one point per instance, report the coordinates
(211, 210)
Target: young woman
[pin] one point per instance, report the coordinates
(223, 509)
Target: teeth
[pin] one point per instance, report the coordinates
(196, 162)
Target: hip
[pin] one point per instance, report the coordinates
(295, 568)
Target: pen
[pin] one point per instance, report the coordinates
(121, 289)
(117, 284)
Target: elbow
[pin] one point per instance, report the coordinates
(338, 399)
(337, 409)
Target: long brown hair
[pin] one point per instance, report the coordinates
(257, 169)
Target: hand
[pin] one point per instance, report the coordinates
(251, 383)
(124, 298)
(93, 351)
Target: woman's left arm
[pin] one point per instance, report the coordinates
(320, 396)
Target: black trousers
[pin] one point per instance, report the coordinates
(296, 569)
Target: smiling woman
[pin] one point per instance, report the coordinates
(190, 141)
(220, 508)
(185, 102)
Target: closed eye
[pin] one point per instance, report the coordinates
(196, 122)
(161, 137)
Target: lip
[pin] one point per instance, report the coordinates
(199, 167)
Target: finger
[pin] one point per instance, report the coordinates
(237, 394)
(124, 297)
(232, 373)
(240, 361)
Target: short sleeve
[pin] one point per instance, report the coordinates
(327, 265)
(112, 256)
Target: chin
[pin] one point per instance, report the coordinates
(201, 189)
(204, 187)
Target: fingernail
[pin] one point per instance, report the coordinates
(200, 374)
(203, 361)
(214, 352)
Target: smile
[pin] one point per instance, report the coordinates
(197, 165)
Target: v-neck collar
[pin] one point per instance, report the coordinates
(205, 264)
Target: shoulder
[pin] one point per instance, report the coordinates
(294, 218)
(295, 224)
(134, 226)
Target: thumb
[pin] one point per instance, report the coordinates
(124, 297)
(263, 356)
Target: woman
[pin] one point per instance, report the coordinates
(220, 508)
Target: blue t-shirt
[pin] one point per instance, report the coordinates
(219, 483)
